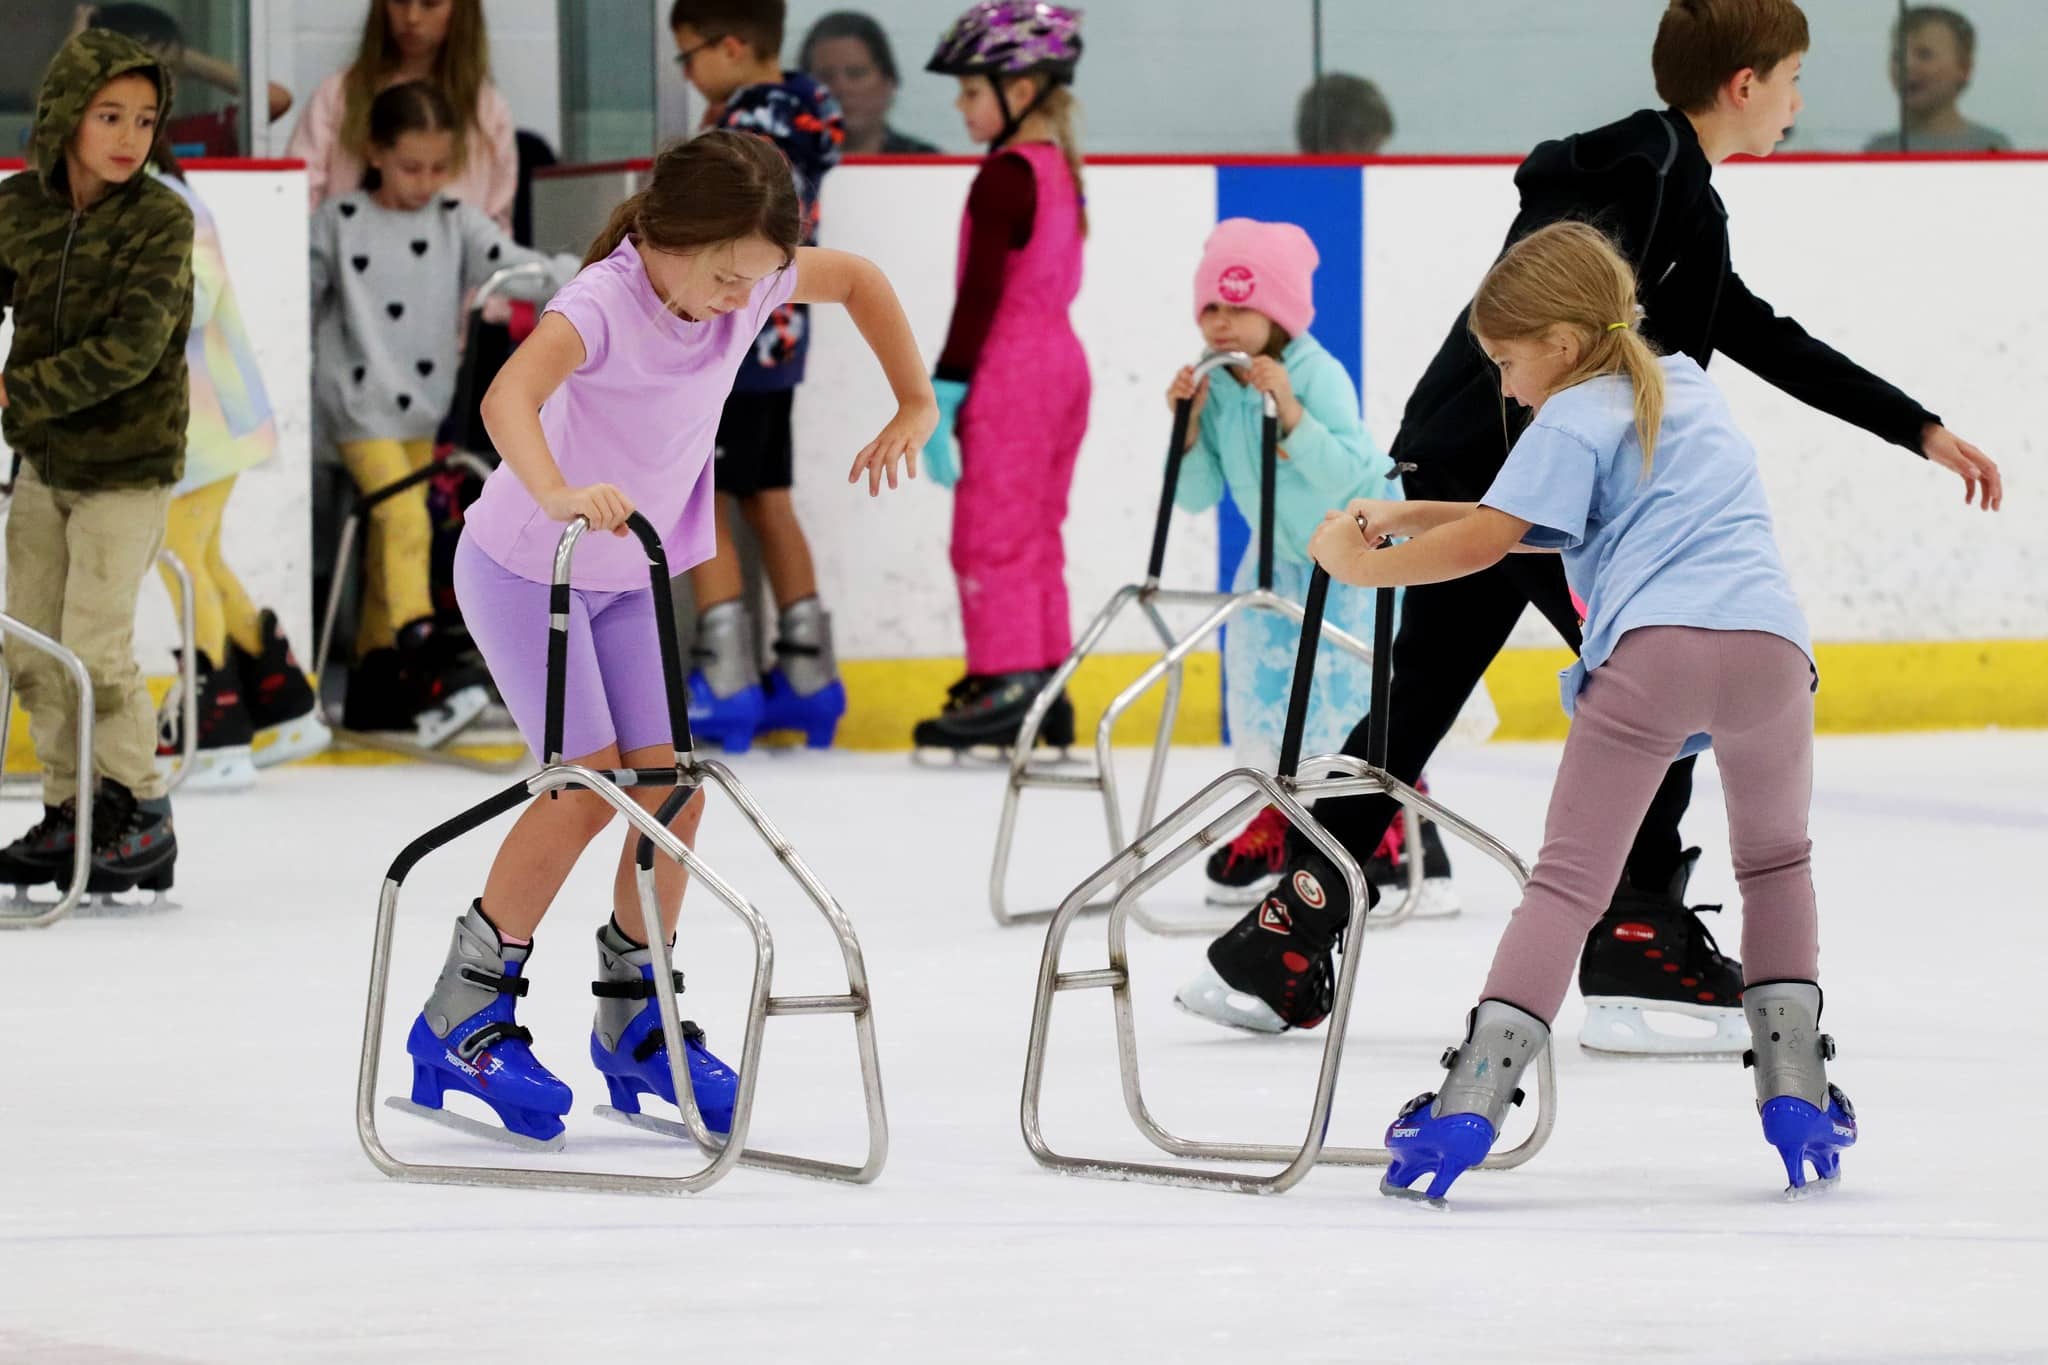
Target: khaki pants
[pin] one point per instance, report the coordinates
(75, 565)
(398, 557)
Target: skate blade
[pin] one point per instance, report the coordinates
(1412, 1196)
(650, 1123)
(213, 770)
(301, 738)
(490, 1132)
(1212, 1000)
(1439, 901)
(111, 905)
(1811, 1189)
(1620, 1026)
(434, 727)
(1241, 897)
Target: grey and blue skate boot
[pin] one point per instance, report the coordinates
(803, 691)
(1804, 1117)
(1445, 1133)
(466, 1040)
(628, 1050)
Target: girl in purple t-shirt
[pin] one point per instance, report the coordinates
(610, 407)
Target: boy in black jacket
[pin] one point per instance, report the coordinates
(1729, 69)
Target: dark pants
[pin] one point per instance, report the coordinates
(1449, 633)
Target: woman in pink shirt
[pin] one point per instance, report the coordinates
(440, 41)
(610, 406)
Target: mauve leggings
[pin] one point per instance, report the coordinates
(1754, 693)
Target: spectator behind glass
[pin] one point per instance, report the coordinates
(1933, 52)
(847, 53)
(1342, 115)
(443, 43)
(214, 134)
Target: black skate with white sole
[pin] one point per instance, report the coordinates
(1272, 970)
(985, 712)
(1649, 963)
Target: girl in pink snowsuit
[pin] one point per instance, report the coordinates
(1012, 381)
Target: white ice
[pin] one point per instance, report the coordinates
(180, 1179)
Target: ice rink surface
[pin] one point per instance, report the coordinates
(180, 1179)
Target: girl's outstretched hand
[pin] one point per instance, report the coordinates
(1982, 483)
(898, 443)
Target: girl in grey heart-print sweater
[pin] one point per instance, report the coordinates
(391, 266)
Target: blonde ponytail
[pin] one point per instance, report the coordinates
(1568, 275)
(1062, 111)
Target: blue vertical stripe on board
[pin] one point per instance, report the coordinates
(1328, 203)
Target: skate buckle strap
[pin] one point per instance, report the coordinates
(783, 649)
(503, 1030)
(1827, 1048)
(654, 1042)
(503, 985)
(1449, 1059)
(642, 989)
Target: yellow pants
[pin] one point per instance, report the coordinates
(220, 608)
(75, 565)
(397, 558)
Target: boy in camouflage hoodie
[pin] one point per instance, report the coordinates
(96, 266)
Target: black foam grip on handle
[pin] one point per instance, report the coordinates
(1304, 671)
(1175, 448)
(675, 682)
(1378, 722)
(1269, 475)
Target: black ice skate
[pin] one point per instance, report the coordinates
(43, 855)
(1387, 870)
(986, 712)
(283, 711)
(1272, 971)
(223, 759)
(1650, 956)
(134, 844)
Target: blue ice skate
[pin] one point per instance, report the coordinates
(628, 1050)
(731, 721)
(816, 716)
(1804, 1134)
(1805, 1117)
(1445, 1134)
(1442, 1147)
(486, 1054)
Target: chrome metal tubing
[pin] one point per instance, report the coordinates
(81, 852)
(1131, 875)
(188, 670)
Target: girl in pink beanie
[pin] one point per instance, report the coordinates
(1255, 292)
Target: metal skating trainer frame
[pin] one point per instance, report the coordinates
(499, 282)
(1149, 596)
(689, 775)
(1130, 874)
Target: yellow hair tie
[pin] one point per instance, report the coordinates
(1617, 326)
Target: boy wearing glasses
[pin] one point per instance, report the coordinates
(730, 50)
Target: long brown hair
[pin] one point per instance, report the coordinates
(1063, 111)
(1568, 275)
(462, 69)
(721, 186)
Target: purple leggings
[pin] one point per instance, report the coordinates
(615, 692)
(1753, 692)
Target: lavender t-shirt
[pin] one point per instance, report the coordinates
(640, 412)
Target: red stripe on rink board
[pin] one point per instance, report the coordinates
(201, 163)
(1231, 159)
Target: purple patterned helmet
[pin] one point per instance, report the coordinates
(1011, 38)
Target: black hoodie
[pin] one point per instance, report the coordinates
(1647, 184)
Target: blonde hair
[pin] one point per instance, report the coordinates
(462, 68)
(1062, 110)
(1568, 275)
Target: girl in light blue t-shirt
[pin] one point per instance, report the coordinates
(1634, 470)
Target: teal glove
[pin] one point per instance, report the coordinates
(941, 451)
